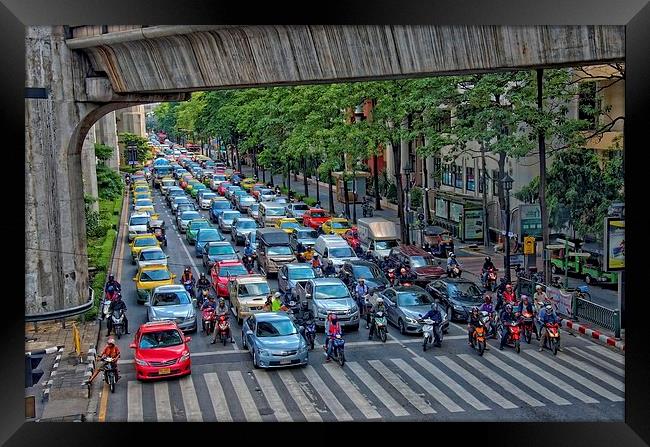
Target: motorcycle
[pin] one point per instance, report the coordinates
(224, 329)
(527, 325)
(380, 325)
(489, 321)
(110, 372)
(310, 332)
(454, 272)
(513, 335)
(391, 277)
(553, 330)
(367, 209)
(189, 286)
(428, 326)
(106, 305)
(478, 338)
(338, 352)
(249, 263)
(208, 320)
(491, 280)
(202, 295)
(117, 320)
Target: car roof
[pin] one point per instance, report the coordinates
(413, 250)
(326, 281)
(297, 265)
(272, 316)
(149, 249)
(248, 279)
(172, 288)
(402, 289)
(154, 267)
(456, 280)
(153, 326)
(361, 262)
(139, 215)
(219, 243)
(245, 219)
(143, 236)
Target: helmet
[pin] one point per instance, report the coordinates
(111, 341)
(538, 287)
(524, 297)
(361, 280)
(202, 275)
(110, 289)
(111, 277)
(304, 305)
(210, 297)
(474, 309)
(315, 255)
(509, 307)
(549, 307)
(488, 299)
(380, 301)
(488, 259)
(452, 255)
(508, 286)
(222, 301)
(277, 295)
(402, 270)
(206, 292)
(188, 270)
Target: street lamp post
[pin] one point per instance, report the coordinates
(407, 172)
(507, 181)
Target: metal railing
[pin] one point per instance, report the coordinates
(597, 314)
(63, 313)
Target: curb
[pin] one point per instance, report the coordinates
(47, 385)
(596, 335)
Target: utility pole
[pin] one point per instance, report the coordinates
(542, 177)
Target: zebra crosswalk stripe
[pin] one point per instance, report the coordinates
(577, 377)
(217, 397)
(134, 402)
(352, 391)
(298, 395)
(326, 394)
(530, 383)
(163, 404)
(595, 372)
(379, 391)
(607, 353)
(190, 401)
(452, 384)
(476, 383)
(244, 396)
(271, 394)
(402, 387)
(600, 362)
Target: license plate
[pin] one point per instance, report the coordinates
(285, 362)
(162, 371)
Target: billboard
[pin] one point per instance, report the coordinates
(614, 244)
(455, 211)
(473, 224)
(441, 208)
(530, 220)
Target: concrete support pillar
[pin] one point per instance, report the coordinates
(88, 167)
(390, 165)
(107, 134)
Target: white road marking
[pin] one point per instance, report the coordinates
(597, 360)
(385, 398)
(271, 394)
(244, 395)
(476, 383)
(134, 402)
(326, 394)
(351, 391)
(433, 390)
(607, 353)
(397, 383)
(304, 404)
(190, 401)
(597, 373)
(217, 397)
(163, 404)
(530, 383)
(577, 377)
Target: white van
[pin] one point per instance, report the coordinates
(334, 248)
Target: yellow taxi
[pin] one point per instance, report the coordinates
(141, 242)
(288, 224)
(336, 225)
(139, 184)
(144, 204)
(141, 195)
(248, 183)
(149, 277)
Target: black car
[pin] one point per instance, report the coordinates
(457, 296)
(374, 278)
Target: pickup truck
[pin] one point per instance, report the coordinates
(326, 295)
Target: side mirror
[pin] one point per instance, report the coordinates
(132, 346)
(173, 275)
(134, 278)
(167, 256)
(188, 339)
(147, 304)
(308, 296)
(194, 301)
(283, 277)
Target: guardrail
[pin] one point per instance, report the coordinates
(597, 314)
(63, 313)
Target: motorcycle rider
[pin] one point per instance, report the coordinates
(507, 317)
(276, 302)
(526, 306)
(547, 315)
(268, 304)
(304, 313)
(248, 250)
(452, 262)
(203, 283)
(377, 307)
(110, 350)
(487, 304)
(117, 305)
(113, 284)
(509, 295)
(361, 289)
(221, 309)
(539, 297)
(329, 269)
(333, 329)
(187, 276)
(487, 265)
(316, 263)
(474, 321)
(435, 314)
(209, 303)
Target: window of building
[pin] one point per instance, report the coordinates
(459, 177)
(587, 103)
(447, 175)
(495, 182)
(469, 174)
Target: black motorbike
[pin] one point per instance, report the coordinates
(367, 208)
(110, 372)
(117, 322)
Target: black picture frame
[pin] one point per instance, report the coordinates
(635, 14)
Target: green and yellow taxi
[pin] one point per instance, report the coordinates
(141, 242)
(287, 224)
(139, 184)
(248, 183)
(193, 227)
(196, 188)
(149, 277)
(336, 225)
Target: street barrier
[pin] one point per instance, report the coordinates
(597, 314)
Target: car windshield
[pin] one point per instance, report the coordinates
(152, 255)
(289, 225)
(340, 225)
(365, 271)
(221, 204)
(465, 291)
(247, 200)
(160, 339)
(230, 216)
(275, 211)
(221, 250)
(307, 234)
(255, 206)
(279, 250)
(142, 189)
(301, 273)
(340, 252)
(301, 207)
(276, 328)
(170, 298)
(146, 242)
(208, 195)
(212, 235)
(139, 220)
(232, 270)
(190, 215)
(421, 261)
(318, 214)
(155, 275)
(266, 192)
(385, 245)
(413, 299)
(246, 224)
(199, 224)
(331, 291)
(143, 202)
(258, 288)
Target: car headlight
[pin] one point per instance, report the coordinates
(184, 357)
(244, 308)
(410, 320)
(302, 349)
(141, 362)
(458, 308)
(262, 352)
(190, 318)
(354, 309)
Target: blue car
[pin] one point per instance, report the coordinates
(205, 235)
(218, 207)
(274, 340)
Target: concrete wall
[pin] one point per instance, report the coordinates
(88, 166)
(106, 133)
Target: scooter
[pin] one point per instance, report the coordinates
(514, 330)
(204, 293)
(491, 280)
(310, 332)
(527, 325)
(380, 325)
(224, 329)
(338, 352)
(189, 286)
(117, 320)
(553, 330)
(428, 326)
(489, 321)
(249, 263)
(208, 319)
(110, 373)
(478, 338)
(106, 305)
(454, 272)
(367, 209)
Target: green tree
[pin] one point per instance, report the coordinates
(143, 148)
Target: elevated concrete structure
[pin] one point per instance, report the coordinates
(88, 77)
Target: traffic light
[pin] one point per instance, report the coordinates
(32, 373)
(529, 245)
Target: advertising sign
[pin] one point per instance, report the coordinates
(455, 211)
(614, 244)
(561, 301)
(441, 208)
(473, 224)
(530, 220)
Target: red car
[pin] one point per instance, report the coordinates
(221, 190)
(315, 217)
(220, 273)
(161, 350)
(352, 236)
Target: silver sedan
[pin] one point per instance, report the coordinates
(405, 305)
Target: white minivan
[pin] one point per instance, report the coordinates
(334, 248)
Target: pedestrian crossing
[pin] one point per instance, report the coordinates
(417, 388)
